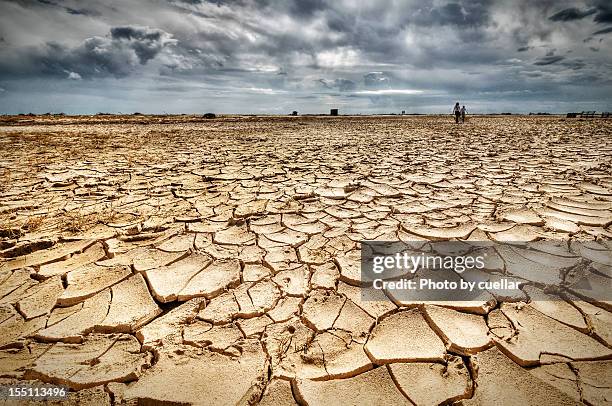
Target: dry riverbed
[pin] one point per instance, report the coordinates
(176, 260)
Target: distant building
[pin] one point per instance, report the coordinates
(333, 112)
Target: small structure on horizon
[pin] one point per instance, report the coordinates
(333, 112)
(403, 112)
(587, 114)
(294, 113)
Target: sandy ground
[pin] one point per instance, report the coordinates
(190, 261)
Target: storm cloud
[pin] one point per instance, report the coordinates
(548, 60)
(572, 13)
(118, 54)
(273, 56)
(604, 12)
(604, 31)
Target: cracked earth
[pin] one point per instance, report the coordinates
(180, 261)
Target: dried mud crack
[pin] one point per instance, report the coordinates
(218, 262)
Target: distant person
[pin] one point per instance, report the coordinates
(463, 111)
(457, 112)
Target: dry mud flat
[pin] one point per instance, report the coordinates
(179, 261)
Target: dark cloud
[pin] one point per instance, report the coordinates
(69, 10)
(461, 13)
(80, 11)
(604, 11)
(575, 64)
(604, 31)
(571, 14)
(340, 22)
(115, 55)
(548, 60)
(241, 54)
(306, 8)
(145, 42)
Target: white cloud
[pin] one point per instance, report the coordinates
(389, 92)
(342, 57)
(261, 90)
(74, 76)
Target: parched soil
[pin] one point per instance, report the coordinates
(176, 260)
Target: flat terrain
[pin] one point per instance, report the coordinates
(190, 261)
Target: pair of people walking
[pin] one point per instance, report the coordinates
(459, 113)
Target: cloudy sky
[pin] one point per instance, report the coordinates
(269, 56)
